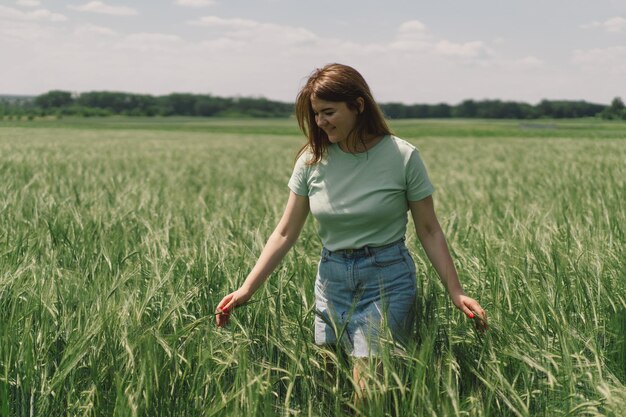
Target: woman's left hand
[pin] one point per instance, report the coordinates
(472, 309)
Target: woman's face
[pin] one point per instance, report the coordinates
(334, 118)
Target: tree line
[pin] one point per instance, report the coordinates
(106, 103)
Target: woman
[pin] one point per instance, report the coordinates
(359, 181)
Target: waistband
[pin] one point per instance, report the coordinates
(360, 252)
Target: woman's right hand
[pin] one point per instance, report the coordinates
(228, 304)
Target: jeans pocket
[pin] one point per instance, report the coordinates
(388, 256)
(410, 262)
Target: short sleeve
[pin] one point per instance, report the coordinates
(418, 185)
(298, 183)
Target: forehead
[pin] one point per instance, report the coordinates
(319, 105)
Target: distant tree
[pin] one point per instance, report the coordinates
(544, 108)
(261, 107)
(101, 103)
(418, 111)
(395, 110)
(616, 110)
(567, 109)
(208, 106)
(467, 108)
(119, 103)
(489, 109)
(441, 110)
(617, 105)
(181, 103)
(54, 99)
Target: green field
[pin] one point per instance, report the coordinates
(118, 236)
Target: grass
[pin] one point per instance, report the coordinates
(586, 128)
(119, 236)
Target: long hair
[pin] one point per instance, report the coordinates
(338, 83)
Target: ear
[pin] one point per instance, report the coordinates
(360, 103)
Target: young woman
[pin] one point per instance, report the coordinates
(358, 181)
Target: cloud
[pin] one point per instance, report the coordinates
(612, 25)
(195, 3)
(151, 42)
(257, 32)
(10, 13)
(525, 64)
(100, 7)
(226, 44)
(22, 33)
(529, 62)
(601, 60)
(87, 30)
(234, 23)
(475, 49)
(28, 3)
(411, 27)
(615, 24)
(414, 37)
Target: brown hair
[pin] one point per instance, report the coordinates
(338, 83)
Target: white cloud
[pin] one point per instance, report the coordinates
(87, 30)
(413, 37)
(412, 26)
(257, 32)
(525, 64)
(612, 25)
(529, 62)
(10, 13)
(235, 23)
(226, 44)
(28, 3)
(151, 42)
(610, 60)
(100, 7)
(152, 37)
(475, 49)
(615, 24)
(23, 32)
(195, 3)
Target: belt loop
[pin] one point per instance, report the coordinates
(367, 251)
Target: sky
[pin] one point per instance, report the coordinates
(409, 51)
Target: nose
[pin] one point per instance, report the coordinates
(320, 120)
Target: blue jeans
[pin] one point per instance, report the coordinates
(364, 297)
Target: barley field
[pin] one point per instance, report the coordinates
(119, 236)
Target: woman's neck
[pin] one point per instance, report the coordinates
(363, 145)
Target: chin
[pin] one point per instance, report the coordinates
(334, 139)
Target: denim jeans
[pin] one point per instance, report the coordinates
(364, 297)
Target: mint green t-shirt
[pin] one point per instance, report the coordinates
(361, 199)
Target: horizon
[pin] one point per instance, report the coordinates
(28, 96)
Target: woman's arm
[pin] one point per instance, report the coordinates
(431, 236)
(277, 246)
